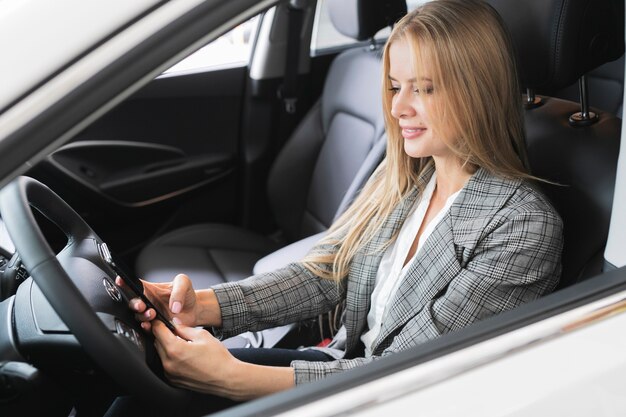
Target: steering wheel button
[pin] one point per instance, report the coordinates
(124, 330)
(137, 339)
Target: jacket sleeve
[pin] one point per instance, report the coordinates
(276, 298)
(518, 261)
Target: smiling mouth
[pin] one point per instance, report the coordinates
(414, 132)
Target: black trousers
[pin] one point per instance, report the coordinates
(278, 357)
(199, 404)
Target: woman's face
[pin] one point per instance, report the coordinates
(410, 103)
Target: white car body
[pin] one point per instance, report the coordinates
(572, 363)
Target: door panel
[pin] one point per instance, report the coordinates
(166, 157)
(136, 174)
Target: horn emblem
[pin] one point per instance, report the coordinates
(112, 290)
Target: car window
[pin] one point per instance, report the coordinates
(326, 37)
(229, 50)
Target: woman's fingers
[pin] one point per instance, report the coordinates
(176, 292)
(180, 286)
(146, 315)
(190, 333)
(162, 334)
(120, 282)
(137, 305)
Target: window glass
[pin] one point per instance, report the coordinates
(325, 35)
(229, 50)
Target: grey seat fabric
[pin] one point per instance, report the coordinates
(297, 250)
(305, 193)
(581, 161)
(208, 253)
(316, 174)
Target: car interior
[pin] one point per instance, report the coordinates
(208, 173)
(332, 150)
(212, 253)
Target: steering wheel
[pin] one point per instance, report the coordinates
(78, 284)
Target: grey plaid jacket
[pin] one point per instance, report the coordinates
(498, 246)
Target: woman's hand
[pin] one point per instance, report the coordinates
(195, 360)
(176, 299)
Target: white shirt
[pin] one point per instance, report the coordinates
(391, 270)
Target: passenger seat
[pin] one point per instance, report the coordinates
(332, 152)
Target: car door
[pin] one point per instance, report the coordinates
(194, 145)
(168, 151)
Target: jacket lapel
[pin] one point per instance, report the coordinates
(448, 249)
(472, 212)
(431, 271)
(364, 266)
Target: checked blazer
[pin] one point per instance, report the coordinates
(498, 246)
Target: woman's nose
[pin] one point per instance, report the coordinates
(402, 106)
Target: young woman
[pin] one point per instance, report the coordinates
(449, 229)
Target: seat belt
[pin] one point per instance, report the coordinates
(288, 91)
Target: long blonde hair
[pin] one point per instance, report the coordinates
(477, 112)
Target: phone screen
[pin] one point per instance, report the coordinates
(133, 283)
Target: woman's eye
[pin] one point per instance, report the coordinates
(426, 90)
(394, 90)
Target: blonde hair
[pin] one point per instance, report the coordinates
(463, 47)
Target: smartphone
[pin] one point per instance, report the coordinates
(133, 283)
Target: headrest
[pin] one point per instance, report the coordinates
(361, 19)
(558, 41)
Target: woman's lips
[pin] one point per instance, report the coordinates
(412, 132)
